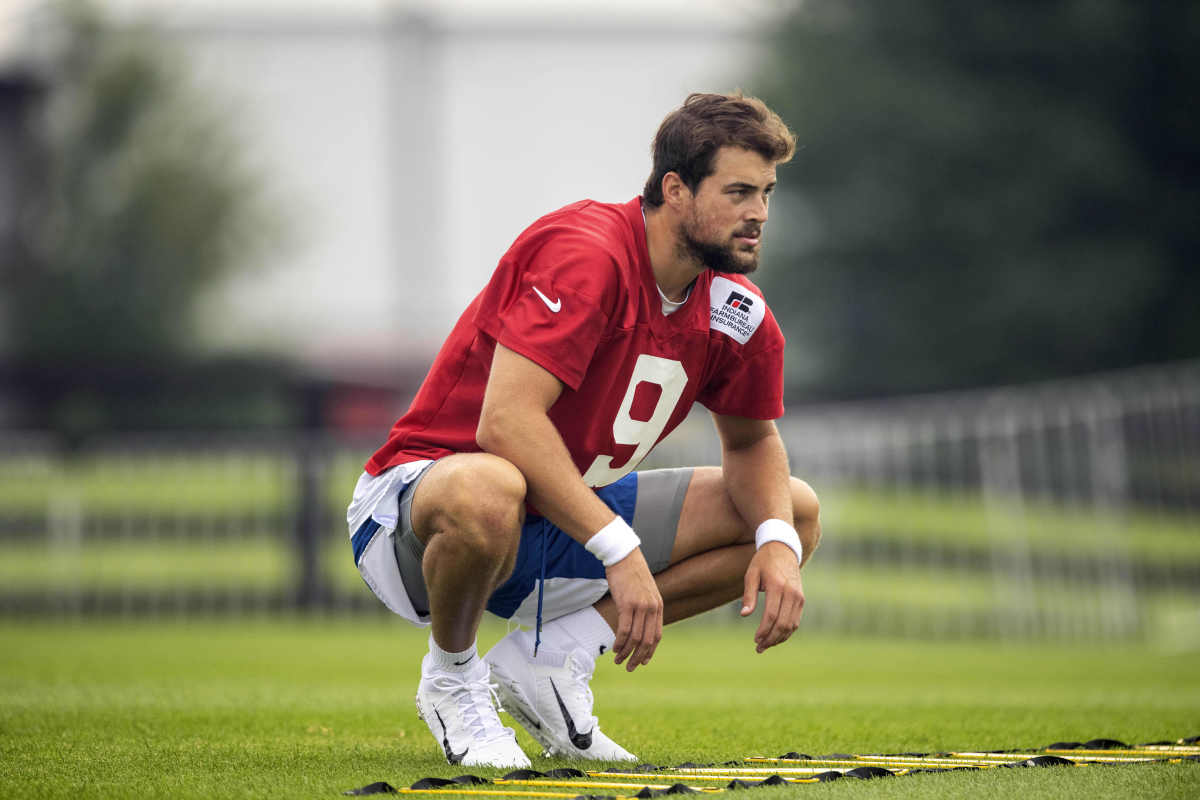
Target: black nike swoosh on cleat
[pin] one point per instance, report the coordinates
(460, 663)
(451, 756)
(581, 740)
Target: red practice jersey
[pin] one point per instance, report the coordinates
(576, 295)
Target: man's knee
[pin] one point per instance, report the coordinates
(478, 500)
(806, 513)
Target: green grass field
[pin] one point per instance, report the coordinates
(301, 709)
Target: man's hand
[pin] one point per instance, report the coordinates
(775, 571)
(639, 610)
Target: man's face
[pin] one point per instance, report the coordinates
(723, 229)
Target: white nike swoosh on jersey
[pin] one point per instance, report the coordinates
(554, 306)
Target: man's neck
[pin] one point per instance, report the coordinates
(673, 271)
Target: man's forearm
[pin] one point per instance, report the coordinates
(758, 480)
(760, 486)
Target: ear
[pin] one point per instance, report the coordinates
(675, 192)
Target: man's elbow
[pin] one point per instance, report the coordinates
(487, 432)
(494, 433)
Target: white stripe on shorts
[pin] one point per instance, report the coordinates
(378, 497)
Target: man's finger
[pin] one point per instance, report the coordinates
(771, 606)
(797, 612)
(784, 623)
(637, 640)
(621, 646)
(791, 606)
(655, 635)
(750, 590)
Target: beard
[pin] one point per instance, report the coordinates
(720, 257)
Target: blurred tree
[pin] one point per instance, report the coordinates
(985, 192)
(143, 203)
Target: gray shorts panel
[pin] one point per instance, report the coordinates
(410, 550)
(656, 516)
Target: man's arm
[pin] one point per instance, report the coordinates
(755, 467)
(514, 425)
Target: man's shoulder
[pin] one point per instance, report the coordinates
(603, 224)
(589, 209)
(596, 243)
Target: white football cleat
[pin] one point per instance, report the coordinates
(551, 698)
(459, 710)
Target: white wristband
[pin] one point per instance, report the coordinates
(776, 530)
(613, 542)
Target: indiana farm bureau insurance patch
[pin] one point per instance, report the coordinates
(735, 310)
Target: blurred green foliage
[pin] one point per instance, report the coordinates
(144, 202)
(984, 192)
(140, 200)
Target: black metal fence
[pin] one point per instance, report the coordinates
(1066, 510)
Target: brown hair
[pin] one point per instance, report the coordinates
(689, 138)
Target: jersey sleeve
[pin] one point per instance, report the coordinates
(547, 301)
(749, 382)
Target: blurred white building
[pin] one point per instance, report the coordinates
(408, 144)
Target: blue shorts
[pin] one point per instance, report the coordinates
(388, 553)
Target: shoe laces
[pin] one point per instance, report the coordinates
(476, 702)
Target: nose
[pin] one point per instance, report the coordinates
(757, 211)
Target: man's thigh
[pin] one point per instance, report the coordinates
(707, 519)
